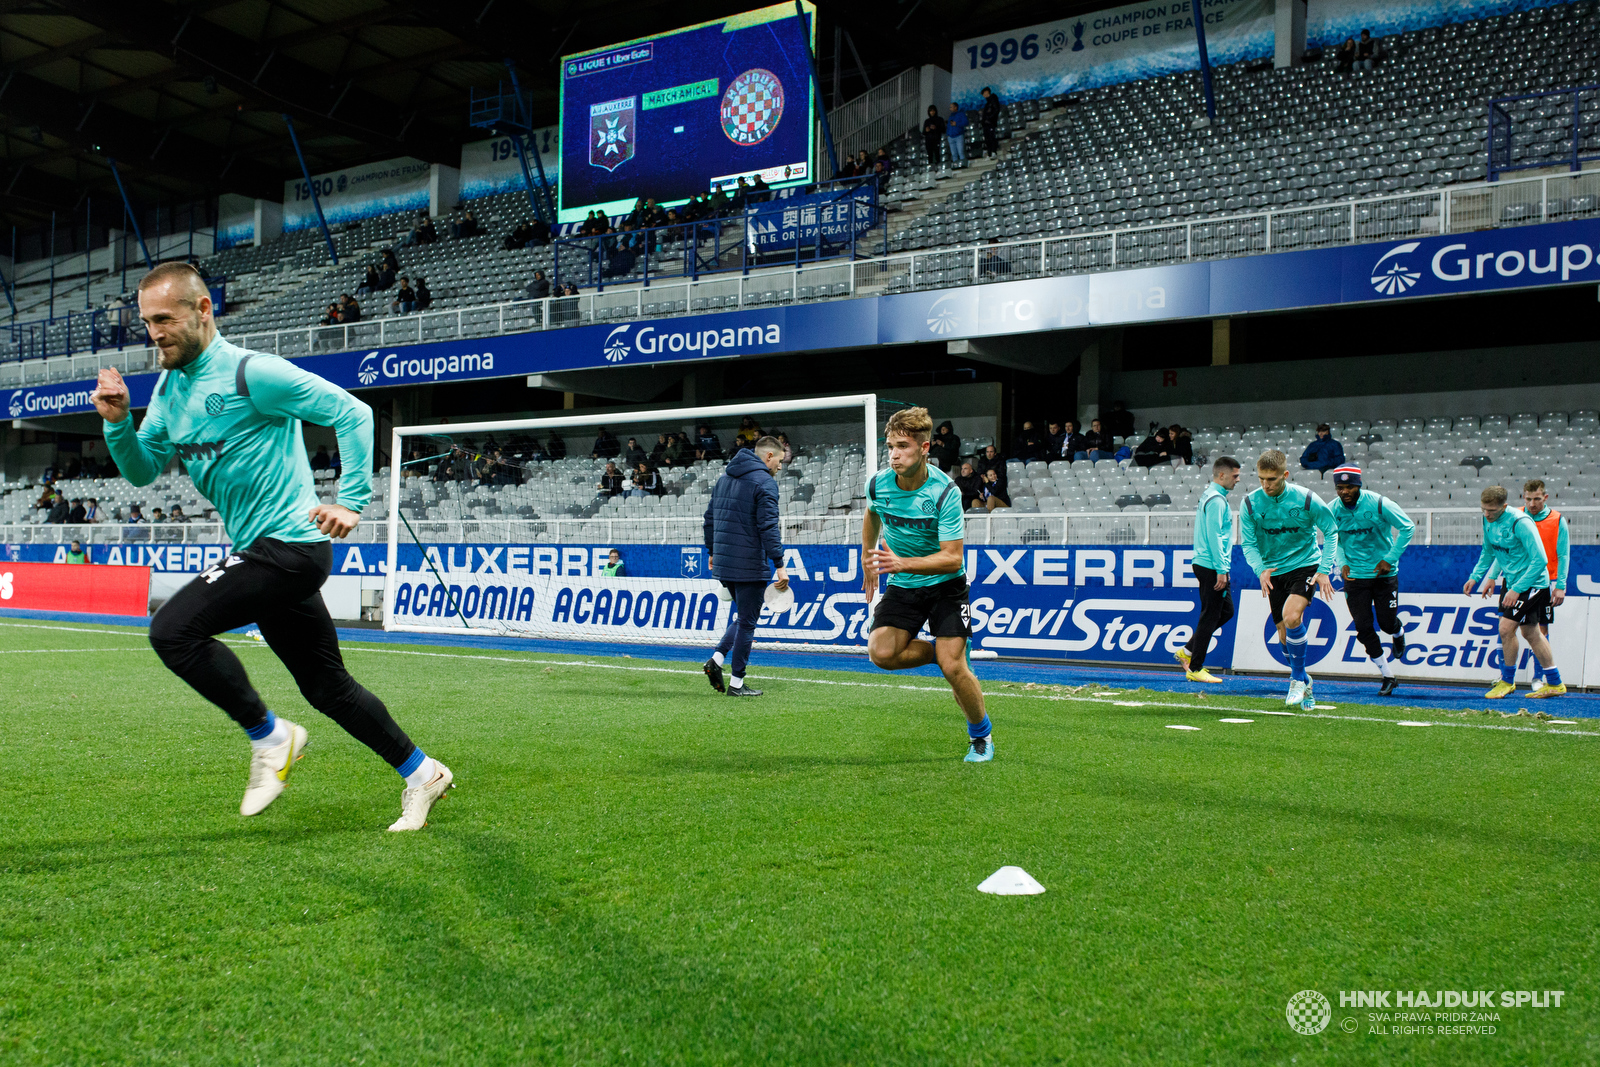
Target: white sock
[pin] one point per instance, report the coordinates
(423, 774)
(1383, 665)
(279, 734)
(716, 657)
(736, 681)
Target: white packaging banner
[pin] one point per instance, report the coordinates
(1449, 638)
(380, 188)
(1104, 47)
(491, 166)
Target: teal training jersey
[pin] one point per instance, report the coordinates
(233, 417)
(916, 520)
(1213, 530)
(1374, 530)
(1280, 533)
(1512, 543)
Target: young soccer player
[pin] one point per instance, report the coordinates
(234, 418)
(1552, 527)
(1373, 532)
(1511, 541)
(1278, 532)
(916, 509)
(1213, 559)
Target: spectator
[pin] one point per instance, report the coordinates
(1324, 453)
(610, 481)
(1344, 57)
(1074, 446)
(518, 237)
(646, 482)
(1368, 51)
(371, 283)
(1030, 442)
(1120, 421)
(1054, 441)
(388, 268)
(990, 118)
(706, 445)
(538, 234)
(59, 510)
(995, 261)
(990, 461)
(659, 450)
(945, 449)
(933, 131)
(405, 298)
(467, 227)
(1153, 450)
(634, 454)
(177, 514)
(414, 235)
(749, 432)
(349, 310)
(539, 288)
(672, 455)
(76, 514)
(994, 490)
(157, 517)
(605, 445)
(1097, 442)
(969, 483)
(320, 461)
(760, 191)
(424, 294)
(884, 168)
(135, 516)
(76, 554)
(863, 164)
(331, 316)
(788, 450)
(1182, 443)
(613, 566)
(91, 511)
(426, 234)
(956, 130)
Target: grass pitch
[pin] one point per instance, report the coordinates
(635, 870)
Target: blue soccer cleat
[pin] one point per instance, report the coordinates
(980, 749)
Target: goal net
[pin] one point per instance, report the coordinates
(590, 528)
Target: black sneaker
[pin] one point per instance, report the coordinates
(1388, 687)
(713, 671)
(743, 691)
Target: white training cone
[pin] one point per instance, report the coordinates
(778, 599)
(1010, 882)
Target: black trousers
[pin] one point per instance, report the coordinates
(991, 138)
(741, 631)
(1366, 597)
(277, 587)
(1216, 608)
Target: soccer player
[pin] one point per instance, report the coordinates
(1552, 526)
(1511, 540)
(234, 416)
(1278, 532)
(1213, 559)
(1373, 532)
(917, 510)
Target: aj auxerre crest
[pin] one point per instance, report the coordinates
(752, 106)
(611, 132)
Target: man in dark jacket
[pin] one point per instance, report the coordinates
(1324, 453)
(990, 119)
(1030, 442)
(1154, 449)
(742, 537)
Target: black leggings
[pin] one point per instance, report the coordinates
(1216, 608)
(1366, 597)
(276, 586)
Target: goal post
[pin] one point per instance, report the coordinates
(494, 530)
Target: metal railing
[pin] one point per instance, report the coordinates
(1457, 209)
(877, 116)
(1520, 130)
(1005, 526)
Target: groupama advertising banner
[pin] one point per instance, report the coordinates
(1115, 605)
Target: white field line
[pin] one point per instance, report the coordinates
(939, 689)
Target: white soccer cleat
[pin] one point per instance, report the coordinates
(1297, 693)
(269, 770)
(1538, 684)
(417, 801)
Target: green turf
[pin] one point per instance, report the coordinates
(634, 870)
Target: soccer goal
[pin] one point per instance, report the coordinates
(551, 527)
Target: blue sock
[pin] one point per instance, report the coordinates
(1552, 676)
(1294, 650)
(1508, 673)
(409, 767)
(258, 733)
(981, 729)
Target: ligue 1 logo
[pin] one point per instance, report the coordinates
(752, 107)
(616, 348)
(1398, 277)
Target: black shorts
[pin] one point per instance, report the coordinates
(943, 607)
(1301, 582)
(1531, 608)
(1374, 597)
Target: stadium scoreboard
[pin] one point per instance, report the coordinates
(688, 111)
